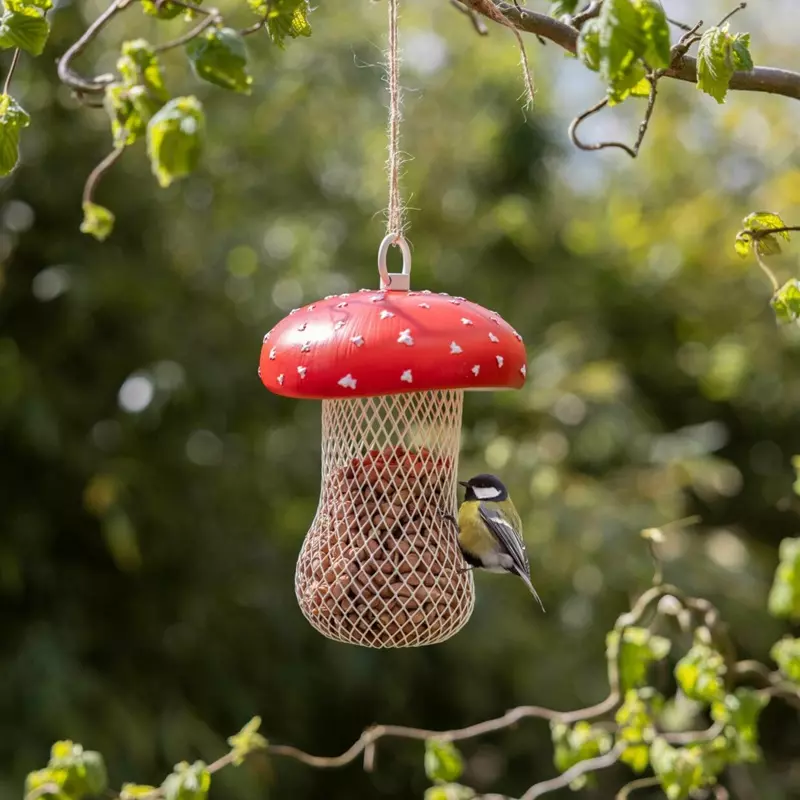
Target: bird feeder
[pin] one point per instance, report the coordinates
(380, 566)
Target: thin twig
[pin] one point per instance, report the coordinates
(574, 772)
(683, 738)
(591, 11)
(736, 10)
(97, 173)
(65, 72)
(682, 25)
(762, 233)
(474, 17)
(764, 268)
(641, 783)
(10, 75)
(206, 22)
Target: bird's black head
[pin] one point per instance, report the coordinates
(485, 487)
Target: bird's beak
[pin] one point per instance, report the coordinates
(464, 484)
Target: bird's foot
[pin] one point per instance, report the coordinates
(448, 517)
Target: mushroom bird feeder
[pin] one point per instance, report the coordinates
(381, 566)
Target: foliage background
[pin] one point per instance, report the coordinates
(154, 496)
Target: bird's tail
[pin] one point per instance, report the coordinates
(533, 591)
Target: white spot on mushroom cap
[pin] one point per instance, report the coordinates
(496, 320)
(476, 369)
(499, 361)
(455, 349)
(493, 338)
(424, 305)
(347, 382)
(273, 353)
(280, 379)
(293, 311)
(376, 298)
(305, 347)
(259, 372)
(302, 326)
(311, 307)
(341, 305)
(266, 338)
(455, 301)
(357, 340)
(386, 314)
(405, 337)
(301, 371)
(427, 291)
(339, 325)
(524, 370)
(518, 336)
(466, 321)
(407, 377)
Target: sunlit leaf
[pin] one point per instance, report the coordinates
(13, 118)
(166, 9)
(449, 791)
(26, 28)
(219, 57)
(589, 45)
(558, 8)
(636, 721)
(622, 37)
(719, 55)
(575, 743)
(283, 18)
(656, 33)
(247, 741)
(700, 673)
(640, 648)
(443, 762)
(139, 66)
(740, 712)
(786, 654)
(784, 597)
(187, 782)
(175, 139)
(98, 221)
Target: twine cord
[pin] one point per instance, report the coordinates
(394, 222)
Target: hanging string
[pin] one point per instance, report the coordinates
(394, 221)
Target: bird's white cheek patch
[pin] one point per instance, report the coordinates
(486, 493)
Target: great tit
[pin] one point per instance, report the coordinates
(490, 530)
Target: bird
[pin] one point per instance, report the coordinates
(490, 530)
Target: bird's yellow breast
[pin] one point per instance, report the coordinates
(474, 535)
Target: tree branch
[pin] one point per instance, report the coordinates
(760, 79)
(576, 771)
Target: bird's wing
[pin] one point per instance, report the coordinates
(508, 536)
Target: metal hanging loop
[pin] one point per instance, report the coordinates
(396, 281)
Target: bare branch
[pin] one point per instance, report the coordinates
(65, 72)
(474, 17)
(97, 173)
(736, 10)
(641, 783)
(206, 22)
(760, 79)
(576, 771)
(10, 74)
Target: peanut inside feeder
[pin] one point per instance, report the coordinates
(380, 566)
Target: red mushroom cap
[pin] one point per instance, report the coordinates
(390, 342)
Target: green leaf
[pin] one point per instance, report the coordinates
(283, 18)
(25, 27)
(98, 221)
(175, 139)
(636, 721)
(784, 597)
(632, 83)
(573, 744)
(786, 305)
(449, 791)
(589, 45)
(187, 782)
(640, 648)
(739, 712)
(679, 770)
(166, 10)
(443, 762)
(55, 778)
(742, 59)
(95, 775)
(719, 55)
(19, 5)
(219, 57)
(247, 741)
(786, 654)
(700, 673)
(12, 119)
(622, 37)
(83, 771)
(558, 8)
(766, 221)
(139, 66)
(656, 33)
(743, 244)
(134, 791)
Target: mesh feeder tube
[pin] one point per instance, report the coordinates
(380, 567)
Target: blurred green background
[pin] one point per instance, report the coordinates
(154, 496)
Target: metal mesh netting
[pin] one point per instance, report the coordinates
(380, 567)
